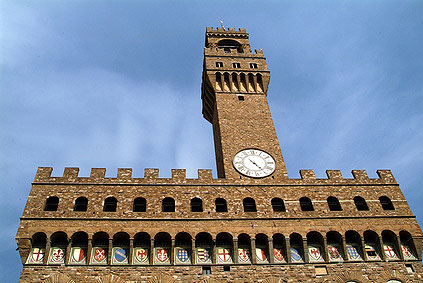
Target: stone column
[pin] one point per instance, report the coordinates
(398, 245)
(380, 246)
(253, 251)
(172, 252)
(89, 250)
(231, 83)
(109, 252)
(344, 249)
(151, 251)
(270, 249)
(68, 251)
(305, 249)
(363, 250)
(325, 249)
(288, 250)
(214, 252)
(235, 250)
(193, 260)
(255, 83)
(131, 250)
(47, 252)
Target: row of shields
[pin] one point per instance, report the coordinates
(224, 255)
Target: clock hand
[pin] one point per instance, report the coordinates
(254, 163)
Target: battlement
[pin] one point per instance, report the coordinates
(226, 30)
(151, 175)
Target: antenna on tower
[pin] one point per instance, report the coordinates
(221, 24)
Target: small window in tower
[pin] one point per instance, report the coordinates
(386, 203)
(236, 65)
(110, 204)
(227, 268)
(253, 65)
(227, 50)
(206, 270)
(81, 204)
(51, 204)
(219, 64)
(240, 97)
(409, 268)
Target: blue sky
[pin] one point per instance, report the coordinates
(117, 84)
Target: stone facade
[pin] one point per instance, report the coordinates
(230, 229)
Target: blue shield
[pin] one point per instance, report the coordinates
(295, 255)
(182, 255)
(120, 255)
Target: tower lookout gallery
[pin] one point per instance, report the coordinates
(250, 224)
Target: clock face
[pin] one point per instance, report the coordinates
(254, 163)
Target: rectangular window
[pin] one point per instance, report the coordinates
(236, 65)
(206, 270)
(240, 97)
(219, 64)
(321, 270)
(253, 65)
(227, 268)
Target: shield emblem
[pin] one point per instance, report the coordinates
(57, 255)
(120, 256)
(314, 253)
(406, 251)
(352, 252)
(203, 254)
(162, 255)
(182, 255)
(261, 255)
(389, 251)
(278, 254)
(36, 256)
(334, 254)
(295, 255)
(371, 251)
(99, 255)
(243, 255)
(78, 255)
(224, 255)
(140, 255)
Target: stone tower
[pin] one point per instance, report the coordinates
(251, 224)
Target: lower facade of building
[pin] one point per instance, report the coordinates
(346, 272)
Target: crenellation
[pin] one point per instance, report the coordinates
(70, 173)
(205, 174)
(386, 175)
(334, 175)
(151, 173)
(98, 174)
(124, 173)
(307, 174)
(43, 173)
(179, 174)
(360, 175)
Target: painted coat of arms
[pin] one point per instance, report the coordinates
(408, 254)
(224, 255)
(296, 255)
(314, 253)
(140, 256)
(36, 256)
(161, 256)
(390, 251)
(182, 256)
(372, 252)
(78, 256)
(261, 255)
(119, 255)
(352, 251)
(57, 256)
(98, 256)
(278, 254)
(334, 254)
(244, 256)
(203, 255)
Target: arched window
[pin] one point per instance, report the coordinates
(110, 204)
(386, 203)
(372, 246)
(334, 204)
(360, 203)
(37, 254)
(306, 204)
(336, 252)
(78, 254)
(168, 205)
(315, 247)
(140, 205)
(196, 205)
(51, 204)
(229, 46)
(81, 204)
(353, 245)
(278, 204)
(407, 246)
(249, 205)
(390, 245)
(296, 252)
(221, 205)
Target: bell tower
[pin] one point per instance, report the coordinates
(234, 95)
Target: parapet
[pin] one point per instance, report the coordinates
(223, 29)
(151, 176)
